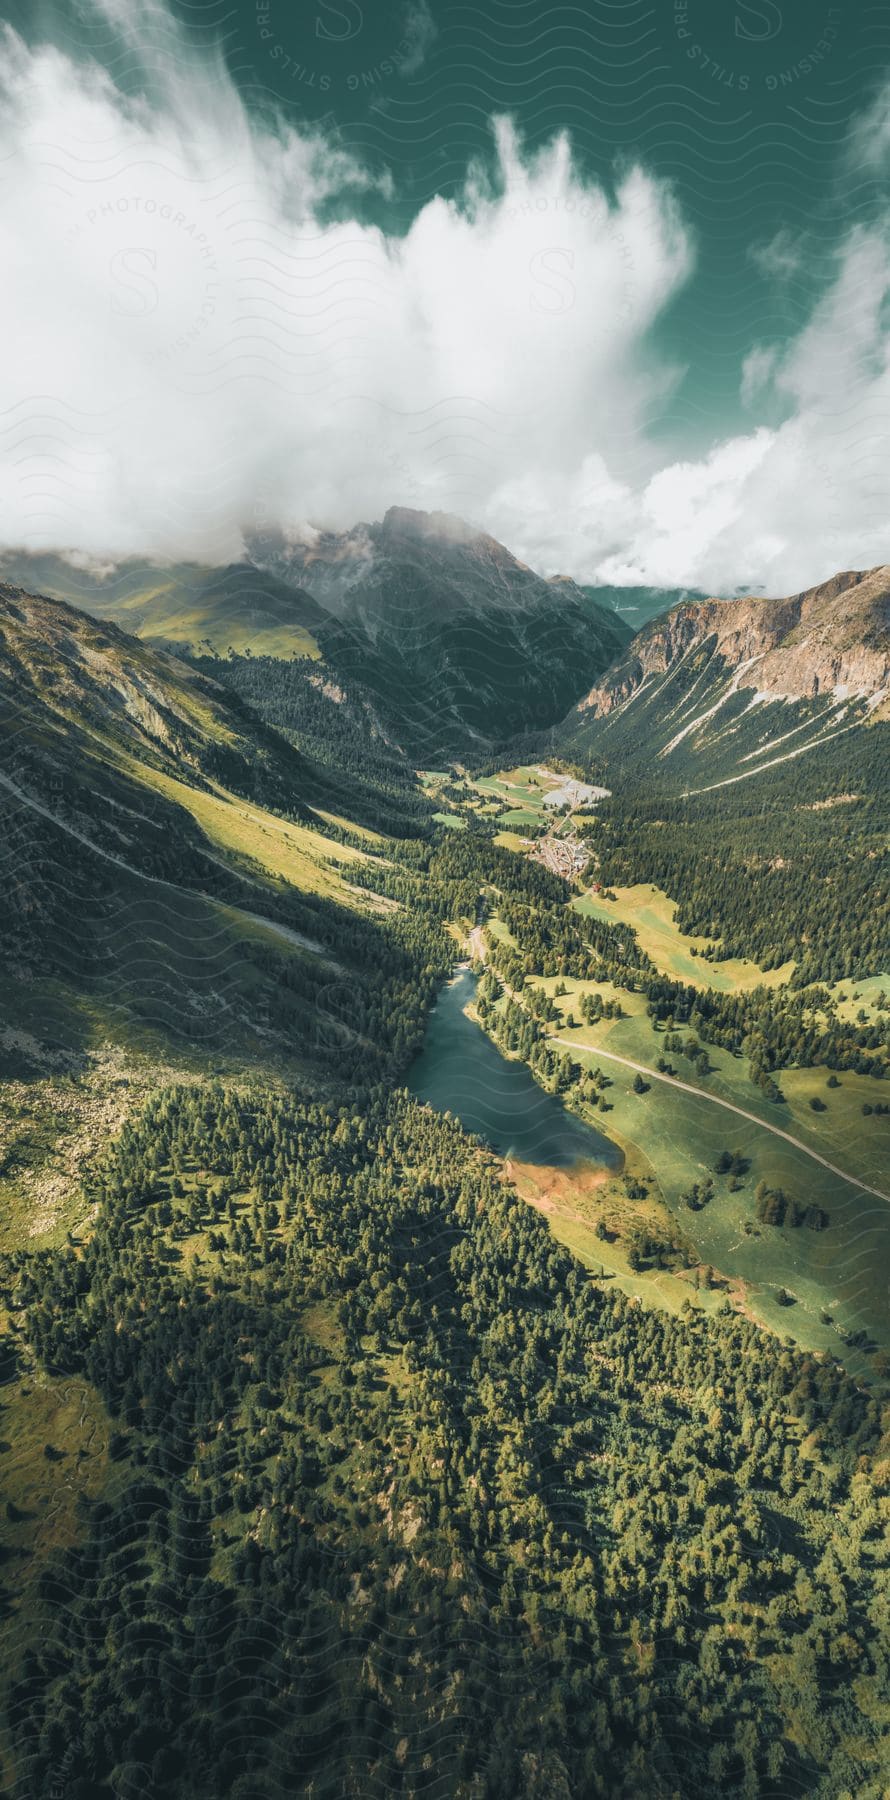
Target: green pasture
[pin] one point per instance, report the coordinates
(650, 913)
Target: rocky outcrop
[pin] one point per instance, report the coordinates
(831, 640)
(412, 554)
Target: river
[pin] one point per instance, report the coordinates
(460, 1070)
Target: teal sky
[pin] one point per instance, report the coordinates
(752, 406)
(745, 108)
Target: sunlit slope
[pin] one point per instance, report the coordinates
(167, 878)
(183, 605)
(714, 691)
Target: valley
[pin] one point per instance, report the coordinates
(444, 901)
(831, 1282)
(404, 1338)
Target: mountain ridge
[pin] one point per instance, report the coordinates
(767, 632)
(455, 645)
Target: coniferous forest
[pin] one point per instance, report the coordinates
(400, 1500)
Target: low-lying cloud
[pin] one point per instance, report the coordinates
(204, 345)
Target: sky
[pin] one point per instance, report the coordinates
(610, 281)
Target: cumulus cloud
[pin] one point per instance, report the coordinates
(784, 507)
(202, 348)
(210, 338)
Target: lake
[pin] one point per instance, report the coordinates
(459, 1070)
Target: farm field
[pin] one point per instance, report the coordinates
(521, 787)
(522, 792)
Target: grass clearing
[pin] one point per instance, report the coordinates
(650, 913)
(162, 615)
(45, 1497)
(838, 1270)
(853, 997)
(521, 793)
(856, 1143)
(576, 1201)
(365, 832)
(287, 851)
(674, 1139)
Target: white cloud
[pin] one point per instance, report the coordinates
(420, 35)
(869, 145)
(786, 507)
(200, 351)
(779, 257)
(758, 369)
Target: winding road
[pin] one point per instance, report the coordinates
(728, 1105)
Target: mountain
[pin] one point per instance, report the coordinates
(412, 561)
(436, 633)
(725, 688)
(172, 871)
(459, 643)
(747, 744)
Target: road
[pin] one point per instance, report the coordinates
(715, 1100)
(674, 1081)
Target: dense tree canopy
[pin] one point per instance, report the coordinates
(405, 1497)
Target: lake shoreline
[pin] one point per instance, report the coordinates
(460, 1070)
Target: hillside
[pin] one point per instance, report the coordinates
(747, 743)
(172, 875)
(459, 644)
(378, 1482)
(723, 688)
(437, 635)
(322, 1458)
(183, 606)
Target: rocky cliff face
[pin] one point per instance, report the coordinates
(436, 557)
(830, 641)
(716, 691)
(460, 644)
